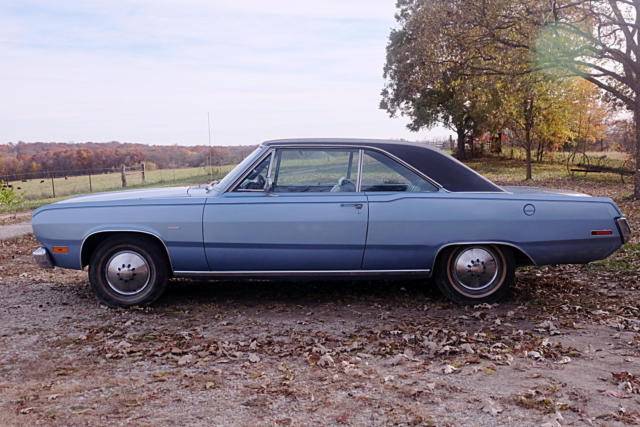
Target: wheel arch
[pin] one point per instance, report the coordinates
(91, 242)
(522, 258)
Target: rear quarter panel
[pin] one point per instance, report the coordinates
(408, 230)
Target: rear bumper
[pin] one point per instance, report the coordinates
(42, 258)
(624, 229)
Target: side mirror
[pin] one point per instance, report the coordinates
(268, 186)
(212, 184)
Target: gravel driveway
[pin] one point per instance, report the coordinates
(11, 231)
(564, 349)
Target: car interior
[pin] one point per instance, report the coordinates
(333, 170)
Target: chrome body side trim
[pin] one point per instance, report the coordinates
(42, 258)
(294, 273)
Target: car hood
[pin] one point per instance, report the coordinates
(150, 193)
(542, 191)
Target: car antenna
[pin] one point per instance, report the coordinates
(209, 128)
(213, 182)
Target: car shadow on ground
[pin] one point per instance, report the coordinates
(300, 292)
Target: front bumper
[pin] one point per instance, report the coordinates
(42, 258)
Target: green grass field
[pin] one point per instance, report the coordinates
(36, 192)
(513, 171)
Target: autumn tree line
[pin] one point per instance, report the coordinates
(39, 159)
(550, 74)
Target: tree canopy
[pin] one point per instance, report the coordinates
(485, 66)
(40, 158)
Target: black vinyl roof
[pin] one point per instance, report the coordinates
(440, 167)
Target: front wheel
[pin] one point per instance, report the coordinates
(475, 274)
(126, 271)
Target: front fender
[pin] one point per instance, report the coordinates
(178, 226)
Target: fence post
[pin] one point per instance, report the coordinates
(143, 173)
(124, 176)
(90, 184)
(53, 186)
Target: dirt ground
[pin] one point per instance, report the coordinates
(563, 350)
(10, 231)
(14, 218)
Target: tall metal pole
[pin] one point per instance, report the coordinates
(209, 127)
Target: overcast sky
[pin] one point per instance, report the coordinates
(148, 71)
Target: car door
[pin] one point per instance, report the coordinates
(310, 218)
(401, 235)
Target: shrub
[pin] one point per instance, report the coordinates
(9, 198)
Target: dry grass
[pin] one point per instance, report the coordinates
(36, 192)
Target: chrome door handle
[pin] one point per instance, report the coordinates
(352, 205)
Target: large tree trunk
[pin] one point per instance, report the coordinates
(636, 186)
(539, 151)
(528, 151)
(497, 143)
(460, 152)
(528, 128)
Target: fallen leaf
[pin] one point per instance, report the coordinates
(325, 361)
(184, 360)
(449, 369)
(618, 394)
(466, 347)
(492, 408)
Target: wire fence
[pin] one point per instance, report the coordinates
(59, 183)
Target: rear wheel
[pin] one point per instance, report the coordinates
(126, 271)
(475, 274)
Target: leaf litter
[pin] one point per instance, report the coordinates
(563, 349)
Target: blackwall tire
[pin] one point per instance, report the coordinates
(126, 271)
(475, 274)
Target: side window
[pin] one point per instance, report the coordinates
(257, 178)
(315, 170)
(381, 173)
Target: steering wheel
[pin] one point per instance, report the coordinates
(260, 182)
(344, 185)
(257, 182)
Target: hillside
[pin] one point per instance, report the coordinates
(39, 158)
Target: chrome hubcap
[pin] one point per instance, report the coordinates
(475, 268)
(128, 273)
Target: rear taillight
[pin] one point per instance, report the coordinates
(623, 227)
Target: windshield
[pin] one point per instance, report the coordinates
(240, 167)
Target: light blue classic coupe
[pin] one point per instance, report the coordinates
(318, 207)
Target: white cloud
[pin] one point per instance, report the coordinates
(148, 71)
